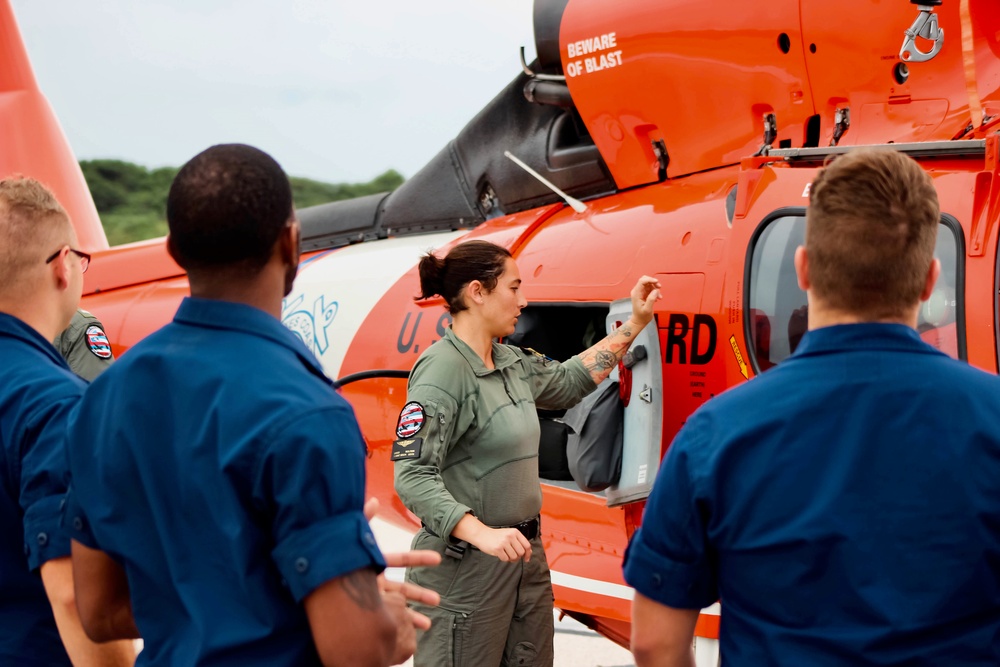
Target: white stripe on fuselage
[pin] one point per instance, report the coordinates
(335, 293)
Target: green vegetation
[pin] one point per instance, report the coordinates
(132, 199)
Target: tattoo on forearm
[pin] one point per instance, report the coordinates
(361, 588)
(625, 330)
(603, 360)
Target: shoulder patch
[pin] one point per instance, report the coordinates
(407, 448)
(97, 342)
(411, 420)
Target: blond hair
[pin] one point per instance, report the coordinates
(32, 225)
(871, 228)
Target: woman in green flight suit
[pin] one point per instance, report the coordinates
(467, 459)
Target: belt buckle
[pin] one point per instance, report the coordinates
(528, 528)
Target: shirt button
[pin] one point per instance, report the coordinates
(301, 565)
(77, 523)
(657, 581)
(43, 539)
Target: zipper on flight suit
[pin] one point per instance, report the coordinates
(507, 389)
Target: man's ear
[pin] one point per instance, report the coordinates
(172, 249)
(60, 269)
(933, 273)
(802, 268)
(289, 242)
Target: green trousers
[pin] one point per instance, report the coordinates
(491, 614)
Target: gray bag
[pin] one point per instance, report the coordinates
(594, 445)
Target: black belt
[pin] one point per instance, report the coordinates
(528, 528)
(456, 548)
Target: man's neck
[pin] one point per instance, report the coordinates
(45, 320)
(822, 316)
(257, 291)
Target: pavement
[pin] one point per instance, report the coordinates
(575, 644)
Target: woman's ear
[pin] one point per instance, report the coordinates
(474, 292)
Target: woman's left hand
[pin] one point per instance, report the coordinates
(645, 293)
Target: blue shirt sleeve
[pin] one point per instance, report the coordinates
(311, 480)
(75, 523)
(43, 478)
(669, 559)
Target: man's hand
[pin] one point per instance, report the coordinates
(395, 594)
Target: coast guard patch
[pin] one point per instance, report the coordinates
(411, 420)
(97, 342)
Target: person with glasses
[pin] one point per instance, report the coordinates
(41, 279)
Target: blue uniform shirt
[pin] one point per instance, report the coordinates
(37, 393)
(215, 462)
(845, 507)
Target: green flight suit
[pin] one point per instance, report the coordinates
(84, 346)
(471, 439)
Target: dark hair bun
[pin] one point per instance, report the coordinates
(431, 276)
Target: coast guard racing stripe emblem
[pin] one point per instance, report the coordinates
(97, 342)
(411, 420)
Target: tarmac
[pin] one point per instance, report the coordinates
(575, 644)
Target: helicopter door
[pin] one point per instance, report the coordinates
(641, 382)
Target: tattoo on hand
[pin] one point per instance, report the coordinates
(603, 360)
(361, 588)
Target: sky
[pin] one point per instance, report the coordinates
(334, 90)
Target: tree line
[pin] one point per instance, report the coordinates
(132, 200)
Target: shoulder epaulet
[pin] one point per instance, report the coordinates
(535, 353)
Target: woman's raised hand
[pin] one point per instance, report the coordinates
(645, 293)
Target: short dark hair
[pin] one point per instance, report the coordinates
(472, 260)
(227, 207)
(871, 229)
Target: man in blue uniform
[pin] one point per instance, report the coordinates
(844, 506)
(41, 278)
(217, 476)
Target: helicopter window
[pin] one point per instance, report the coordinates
(777, 313)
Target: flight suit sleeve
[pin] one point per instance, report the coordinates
(43, 478)
(85, 347)
(310, 479)
(669, 558)
(418, 479)
(554, 385)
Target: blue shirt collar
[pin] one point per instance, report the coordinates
(866, 335)
(15, 328)
(229, 316)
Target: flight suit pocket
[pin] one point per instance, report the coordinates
(461, 637)
(447, 641)
(524, 655)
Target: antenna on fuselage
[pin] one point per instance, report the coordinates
(575, 204)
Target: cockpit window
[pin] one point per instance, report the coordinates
(777, 315)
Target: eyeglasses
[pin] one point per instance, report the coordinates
(84, 258)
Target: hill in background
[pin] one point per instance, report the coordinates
(132, 200)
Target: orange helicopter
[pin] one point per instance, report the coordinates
(691, 133)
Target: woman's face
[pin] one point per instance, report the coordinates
(502, 306)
